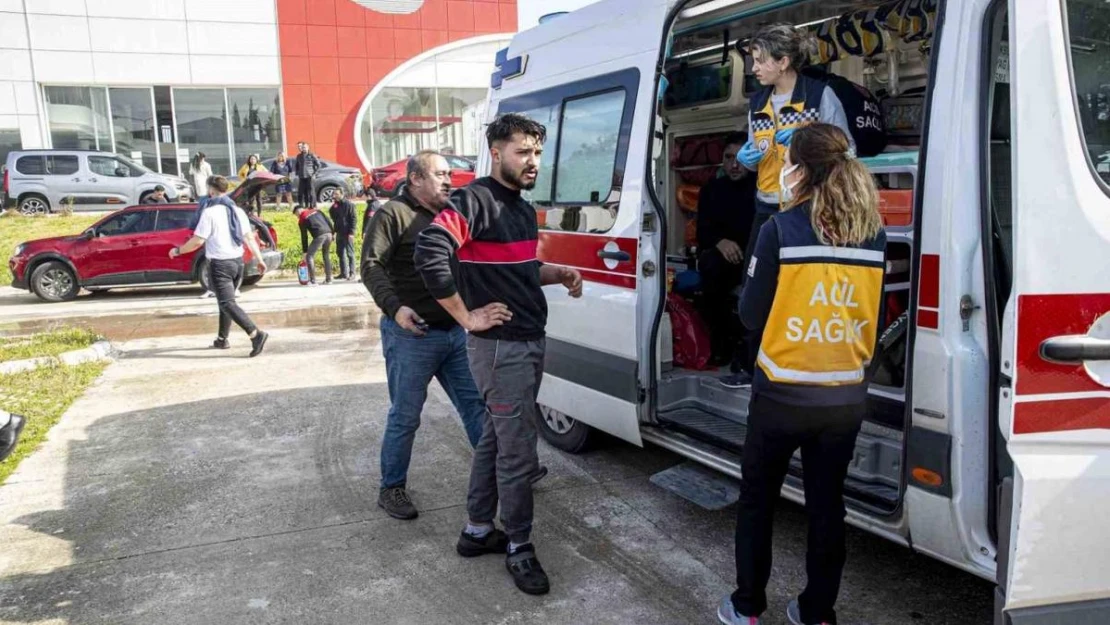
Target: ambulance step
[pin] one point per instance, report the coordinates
(699, 484)
(873, 476)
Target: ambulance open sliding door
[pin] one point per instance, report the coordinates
(1055, 397)
(590, 220)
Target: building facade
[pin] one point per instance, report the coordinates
(365, 82)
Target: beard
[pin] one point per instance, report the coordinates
(517, 178)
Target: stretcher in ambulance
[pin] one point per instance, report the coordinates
(987, 443)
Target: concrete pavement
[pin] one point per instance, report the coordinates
(195, 486)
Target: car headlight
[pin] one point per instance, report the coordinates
(19, 250)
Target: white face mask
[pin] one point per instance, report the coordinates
(787, 190)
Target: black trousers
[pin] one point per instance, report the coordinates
(304, 192)
(225, 276)
(752, 338)
(719, 279)
(345, 247)
(827, 438)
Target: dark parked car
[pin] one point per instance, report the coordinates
(130, 248)
(330, 177)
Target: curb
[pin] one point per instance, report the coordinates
(100, 350)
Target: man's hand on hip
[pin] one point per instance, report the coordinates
(486, 317)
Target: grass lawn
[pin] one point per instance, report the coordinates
(16, 229)
(42, 395)
(45, 344)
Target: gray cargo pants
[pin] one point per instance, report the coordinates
(508, 375)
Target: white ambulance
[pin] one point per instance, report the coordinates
(988, 440)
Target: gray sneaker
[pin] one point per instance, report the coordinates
(794, 614)
(396, 503)
(729, 616)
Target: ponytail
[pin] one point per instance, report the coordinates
(844, 203)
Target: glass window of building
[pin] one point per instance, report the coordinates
(202, 126)
(78, 118)
(255, 123)
(133, 124)
(437, 103)
(10, 141)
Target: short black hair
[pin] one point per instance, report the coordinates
(736, 138)
(158, 188)
(505, 126)
(297, 207)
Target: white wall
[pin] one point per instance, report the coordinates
(129, 42)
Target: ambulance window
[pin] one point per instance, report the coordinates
(591, 129)
(1089, 33)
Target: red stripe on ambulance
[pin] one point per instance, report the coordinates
(580, 251)
(928, 293)
(1060, 415)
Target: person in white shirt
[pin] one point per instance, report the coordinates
(223, 230)
(199, 173)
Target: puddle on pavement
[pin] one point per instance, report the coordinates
(321, 319)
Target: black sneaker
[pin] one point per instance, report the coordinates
(221, 344)
(471, 546)
(396, 503)
(741, 379)
(9, 436)
(258, 343)
(526, 571)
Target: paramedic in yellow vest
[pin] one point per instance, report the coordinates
(814, 288)
(787, 101)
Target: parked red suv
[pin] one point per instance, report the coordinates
(130, 248)
(386, 179)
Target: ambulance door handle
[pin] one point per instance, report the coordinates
(620, 255)
(1075, 349)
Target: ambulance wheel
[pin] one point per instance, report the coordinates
(564, 432)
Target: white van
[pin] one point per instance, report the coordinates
(988, 443)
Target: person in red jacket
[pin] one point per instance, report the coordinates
(314, 222)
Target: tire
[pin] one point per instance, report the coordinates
(252, 280)
(202, 275)
(326, 193)
(563, 432)
(54, 281)
(33, 204)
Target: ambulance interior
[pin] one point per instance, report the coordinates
(881, 45)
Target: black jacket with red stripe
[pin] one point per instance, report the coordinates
(492, 231)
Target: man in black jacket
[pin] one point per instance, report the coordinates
(314, 222)
(345, 218)
(492, 232)
(420, 340)
(726, 208)
(306, 166)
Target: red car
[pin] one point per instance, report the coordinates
(130, 248)
(386, 179)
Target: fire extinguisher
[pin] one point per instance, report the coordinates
(302, 272)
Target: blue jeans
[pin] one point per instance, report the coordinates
(411, 362)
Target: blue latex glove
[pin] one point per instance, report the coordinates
(784, 136)
(749, 155)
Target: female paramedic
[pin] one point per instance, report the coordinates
(814, 289)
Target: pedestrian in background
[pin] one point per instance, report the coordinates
(306, 166)
(493, 233)
(373, 205)
(420, 339)
(317, 224)
(345, 218)
(252, 165)
(814, 289)
(283, 167)
(223, 231)
(157, 196)
(199, 173)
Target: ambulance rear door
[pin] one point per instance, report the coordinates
(589, 76)
(1054, 564)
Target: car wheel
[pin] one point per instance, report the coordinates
(31, 205)
(202, 275)
(562, 431)
(54, 281)
(252, 280)
(326, 193)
